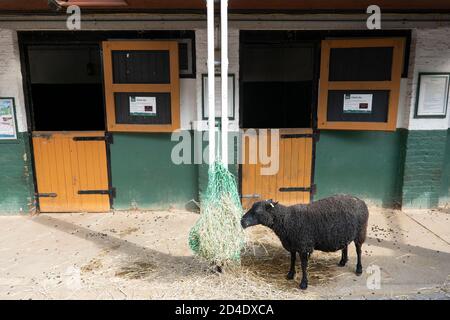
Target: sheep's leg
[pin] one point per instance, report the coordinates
(358, 253)
(291, 272)
(344, 257)
(304, 261)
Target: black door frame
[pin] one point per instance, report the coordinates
(95, 38)
(315, 37)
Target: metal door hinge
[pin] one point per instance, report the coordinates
(42, 135)
(107, 137)
(111, 192)
(316, 135)
(250, 196)
(311, 189)
(296, 135)
(46, 195)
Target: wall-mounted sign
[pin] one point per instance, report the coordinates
(7, 119)
(432, 95)
(143, 106)
(358, 103)
(218, 107)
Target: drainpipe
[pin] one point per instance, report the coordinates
(211, 80)
(224, 78)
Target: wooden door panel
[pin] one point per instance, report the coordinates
(65, 166)
(295, 164)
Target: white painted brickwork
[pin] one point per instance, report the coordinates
(11, 75)
(430, 52)
(202, 68)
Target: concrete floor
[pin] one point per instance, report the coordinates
(144, 255)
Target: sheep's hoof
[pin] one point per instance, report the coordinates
(359, 270)
(342, 263)
(303, 285)
(290, 275)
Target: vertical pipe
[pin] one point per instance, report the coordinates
(211, 80)
(224, 77)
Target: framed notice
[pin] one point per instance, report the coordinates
(218, 100)
(358, 103)
(143, 106)
(7, 119)
(432, 95)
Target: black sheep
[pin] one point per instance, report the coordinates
(327, 225)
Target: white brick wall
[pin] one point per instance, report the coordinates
(11, 75)
(430, 52)
(202, 68)
(11, 84)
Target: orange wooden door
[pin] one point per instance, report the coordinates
(292, 183)
(71, 171)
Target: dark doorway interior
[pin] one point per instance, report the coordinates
(66, 87)
(277, 79)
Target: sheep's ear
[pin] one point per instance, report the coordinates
(270, 203)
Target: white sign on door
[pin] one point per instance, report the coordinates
(143, 106)
(358, 103)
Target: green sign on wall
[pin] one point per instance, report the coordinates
(7, 119)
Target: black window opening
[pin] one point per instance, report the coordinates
(66, 84)
(361, 64)
(185, 39)
(277, 85)
(141, 67)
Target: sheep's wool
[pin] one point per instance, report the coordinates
(217, 236)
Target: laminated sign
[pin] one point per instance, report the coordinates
(143, 106)
(7, 120)
(358, 103)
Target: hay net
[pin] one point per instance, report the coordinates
(218, 236)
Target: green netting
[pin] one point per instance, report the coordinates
(218, 236)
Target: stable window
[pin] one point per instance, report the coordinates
(142, 85)
(360, 83)
(65, 84)
(277, 85)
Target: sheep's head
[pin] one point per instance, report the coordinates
(260, 213)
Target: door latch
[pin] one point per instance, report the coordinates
(46, 195)
(250, 196)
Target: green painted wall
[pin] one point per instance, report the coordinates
(445, 181)
(368, 164)
(424, 162)
(144, 175)
(16, 187)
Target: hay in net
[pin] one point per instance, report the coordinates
(217, 236)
